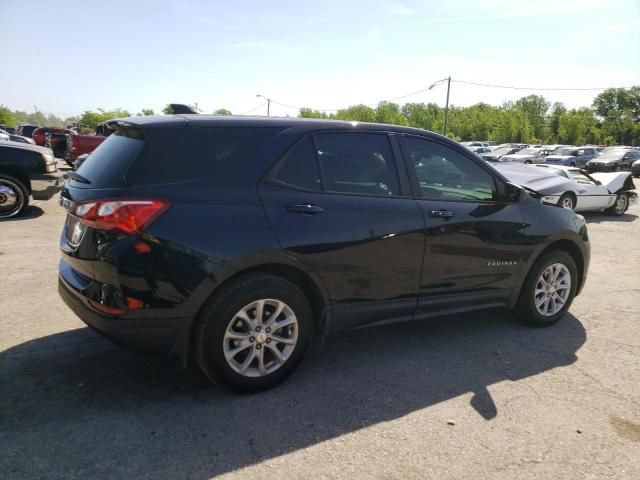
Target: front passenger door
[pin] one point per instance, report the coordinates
(475, 239)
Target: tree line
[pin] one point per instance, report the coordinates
(612, 119)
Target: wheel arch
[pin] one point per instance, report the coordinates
(572, 249)
(312, 288)
(17, 173)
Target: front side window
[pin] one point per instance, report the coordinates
(357, 163)
(445, 174)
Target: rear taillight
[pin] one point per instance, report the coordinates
(130, 216)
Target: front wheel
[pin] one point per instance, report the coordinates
(14, 197)
(548, 290)
(254, 332)
(621, 205)
(567, 201)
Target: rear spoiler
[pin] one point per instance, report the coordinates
(180, 109)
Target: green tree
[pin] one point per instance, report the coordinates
(310, 113)
(222, 111)
(91, 119)
(167, 110)
(358, 113)
(146, 112)
(7, 117)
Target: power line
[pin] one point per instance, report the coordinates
(489, 85)
(254, 109)
(510, 87)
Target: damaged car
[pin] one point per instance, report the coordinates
(574, 188)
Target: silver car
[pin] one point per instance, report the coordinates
(527, 155)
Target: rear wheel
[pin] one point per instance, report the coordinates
(254, 332)
(621, 205)
(527, 161)
(14, 197)
(548, 290)
(567, 200)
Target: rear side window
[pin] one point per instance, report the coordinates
(108, 164)
(357, 163)
(204, 152)
(299, 167)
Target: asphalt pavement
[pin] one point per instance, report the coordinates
(472, 396)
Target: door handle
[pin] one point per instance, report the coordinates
(306, 209)
(446, 214)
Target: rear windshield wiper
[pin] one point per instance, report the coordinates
(78, 178)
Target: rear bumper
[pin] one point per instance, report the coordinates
(160, 336)
(45, 186)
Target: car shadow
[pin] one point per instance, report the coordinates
(73, 403)
(598, 217)
(30, 213)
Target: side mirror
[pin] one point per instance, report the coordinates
(513, 192)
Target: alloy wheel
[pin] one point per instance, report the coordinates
(260, 337)
(621, 204)
(11, 198)
(552, 289)
(567, 202)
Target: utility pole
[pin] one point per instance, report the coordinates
(268, 103)
(446, 107)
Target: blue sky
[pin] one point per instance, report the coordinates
(68, 56)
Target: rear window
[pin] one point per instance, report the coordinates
(107, 165)
(201, 152)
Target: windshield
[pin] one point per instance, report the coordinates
(501, 151)
(572, 152)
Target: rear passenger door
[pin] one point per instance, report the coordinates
(475, 241)
(340, 203)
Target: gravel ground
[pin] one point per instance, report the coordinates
(475, 396)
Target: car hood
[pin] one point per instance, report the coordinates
(605, 160)
(534, 178)
(25, 146)
(560, 157)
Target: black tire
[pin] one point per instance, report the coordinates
(525, 310)
(617, 210)
(527, 162)
(572, 164)
(22, 196)
(566, 197)
(221, 309)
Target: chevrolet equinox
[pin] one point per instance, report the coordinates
(233, 241)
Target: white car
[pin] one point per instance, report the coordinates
(612, 192)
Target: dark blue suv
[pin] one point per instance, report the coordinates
(234, 241)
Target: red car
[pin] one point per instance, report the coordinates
(39, 135)
(80, 144)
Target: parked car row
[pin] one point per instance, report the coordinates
(593, 158)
